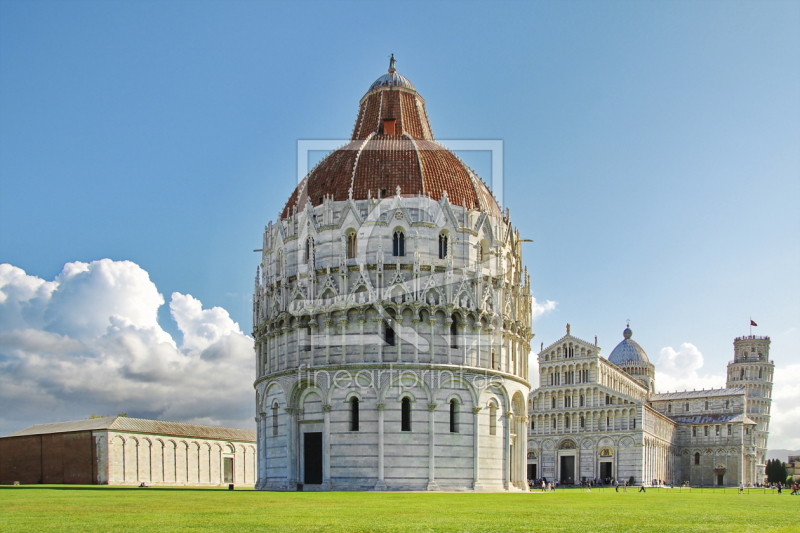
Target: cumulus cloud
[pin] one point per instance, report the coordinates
(682, 370)
(538, 309)
(784, 429)
(90, 342)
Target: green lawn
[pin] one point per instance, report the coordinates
(111, 509)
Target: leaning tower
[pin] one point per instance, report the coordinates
(392, 318)
(752, 369)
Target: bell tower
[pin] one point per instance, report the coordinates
(752, 369)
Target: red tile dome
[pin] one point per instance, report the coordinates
(392, 146)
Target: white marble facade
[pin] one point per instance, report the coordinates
(125, 458)
(590, 419)
(449, 335)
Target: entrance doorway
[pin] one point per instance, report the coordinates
(227, 469)
(568, 469)
(312, 460)
(720, 479)
(531, 471)
(605, 470)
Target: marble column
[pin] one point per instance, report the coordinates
(381, 485)
(476, 447)
(432, 447)
(326, 447)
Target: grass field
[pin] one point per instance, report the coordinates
(111, 509)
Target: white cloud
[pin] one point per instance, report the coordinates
(90, 342)
(678, 370)
(784, 426)
(682, 370)
(538, 309)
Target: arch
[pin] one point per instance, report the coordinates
(453, 405)
(567, 444)
(462, 382)
(492, 406)
(399, 242)
(406, 379)
(355, 417)
(351, 239)
(405, 413)
(444, 238)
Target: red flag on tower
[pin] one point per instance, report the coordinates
(752, 323)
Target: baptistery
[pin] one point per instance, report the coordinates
(392, 318)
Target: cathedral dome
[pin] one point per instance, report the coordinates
(392, 149)
(392, 79)
(628, 351)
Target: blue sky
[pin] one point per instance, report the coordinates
(651, 149)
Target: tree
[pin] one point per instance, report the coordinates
(775, 471)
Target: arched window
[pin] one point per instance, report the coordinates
(352, 245)
(309, 250)
(493, 419)
(566, 421)
(389, 335)
(494, 361)
(697, 458)
(553, 402)
(354, 414)
(453, 416)
(274, 419)
(442, 245)
(760, 373)
(399, 244)
(583, 422)
(306, 346)
(454, 333)
(533, 424)
(405, 414)
(582, 400)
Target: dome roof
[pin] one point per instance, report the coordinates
(392, 146)
(392, 79)
(628, 351)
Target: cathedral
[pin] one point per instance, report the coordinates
(392, 318)
(594, 418)
(392, 328)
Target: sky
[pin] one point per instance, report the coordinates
(651, 150)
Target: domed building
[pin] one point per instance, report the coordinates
(392, 318)
(600, 420)
(631, 358)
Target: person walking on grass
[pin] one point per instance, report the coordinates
(616, 486)
(642, 489)
(741, 488)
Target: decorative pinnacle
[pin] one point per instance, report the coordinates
(392, 61)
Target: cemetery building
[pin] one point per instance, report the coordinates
(595, 418)
(128, 451)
